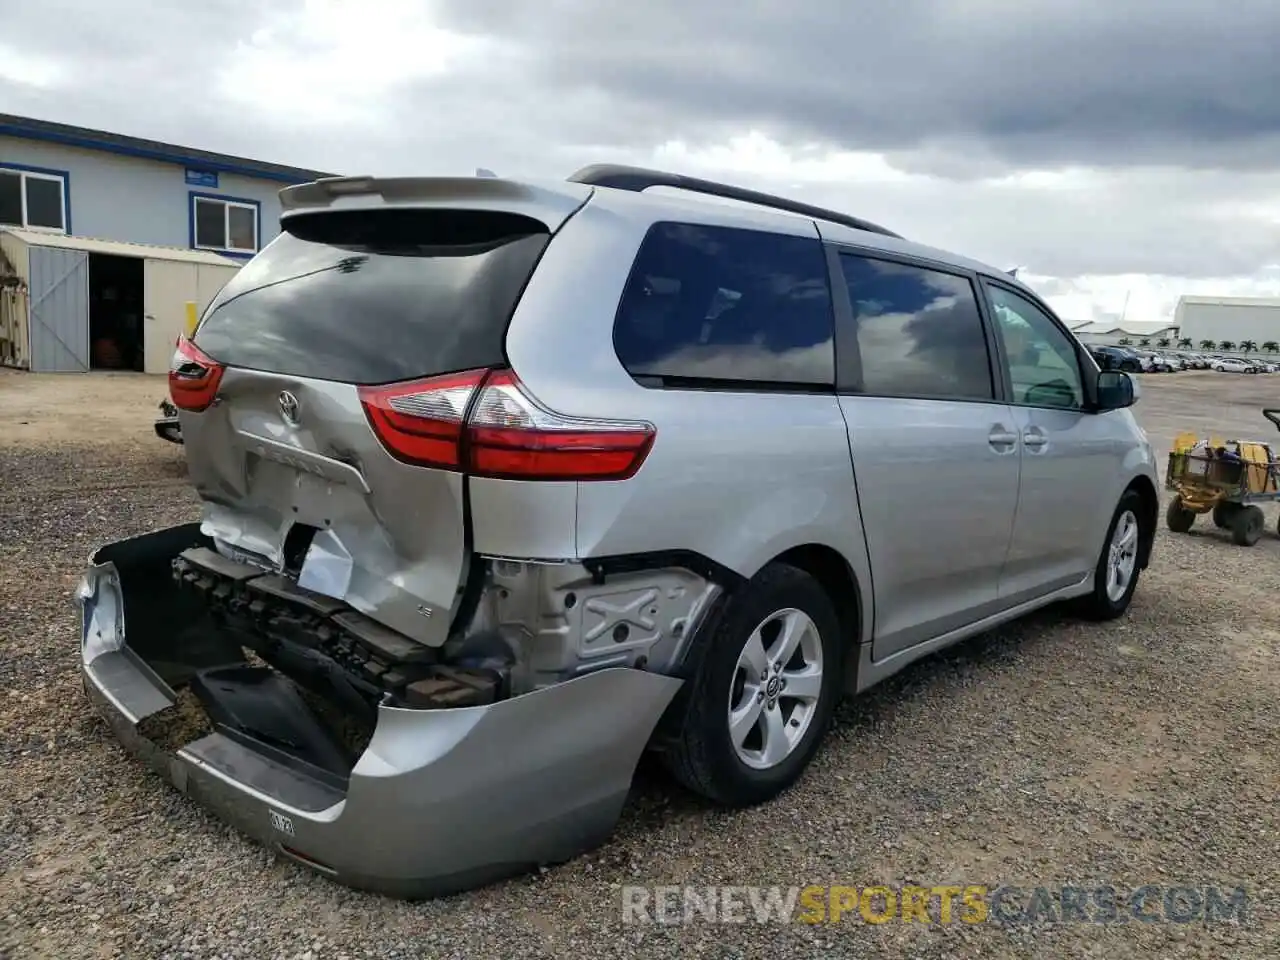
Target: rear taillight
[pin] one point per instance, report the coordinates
(421, 422)
(194, 377)
(485, 422)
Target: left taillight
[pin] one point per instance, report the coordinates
(194, 377)
(484, 422)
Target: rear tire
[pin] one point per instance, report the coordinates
(737, 683)
(1116, 576)
(1247, 526)
(1178, 518)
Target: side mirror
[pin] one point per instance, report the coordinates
(1116, 390)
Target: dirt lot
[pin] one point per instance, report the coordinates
(1050, 752)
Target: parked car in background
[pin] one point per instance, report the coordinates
(1117, 358)
(1157, 362)
(504, 481)
(1233, 365)
(1264, 366)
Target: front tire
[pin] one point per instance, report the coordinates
(1247, 525)
(762, 693)
(1116, 576)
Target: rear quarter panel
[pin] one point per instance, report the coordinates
(737, 477)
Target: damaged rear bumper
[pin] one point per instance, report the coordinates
(167, 425)
(439, 801)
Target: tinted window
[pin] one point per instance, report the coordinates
(716, 304)
(211, 224)
(376, 296)
(919, 332)
(1044, 369)
(44, 202)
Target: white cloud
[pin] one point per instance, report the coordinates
(30, 70)
(333, 64)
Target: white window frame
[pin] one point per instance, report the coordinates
(226, 224)
(25, 175)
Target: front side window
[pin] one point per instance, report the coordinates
(1044, 369)
(225, 225)
(742, 308)
(32, 200)
(919, 331)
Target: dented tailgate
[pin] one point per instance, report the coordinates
(292, 473)
(315, 496)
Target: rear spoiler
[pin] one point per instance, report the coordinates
(552, 203)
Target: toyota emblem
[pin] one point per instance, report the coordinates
(289, 407)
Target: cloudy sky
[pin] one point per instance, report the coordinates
(1111, 148)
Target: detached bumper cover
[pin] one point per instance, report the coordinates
(441, 801)
(167, 425)
(169, 428)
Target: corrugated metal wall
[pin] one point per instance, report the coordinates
(59, 295)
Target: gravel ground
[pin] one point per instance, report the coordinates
(1049, 752)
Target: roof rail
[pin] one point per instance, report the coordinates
(638, 179)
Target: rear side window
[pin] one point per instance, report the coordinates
(376, 296)
(724, 306)
(919, 332)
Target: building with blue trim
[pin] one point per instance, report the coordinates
(110, 244)
(77, 181)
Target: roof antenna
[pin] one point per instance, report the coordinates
(485, 172)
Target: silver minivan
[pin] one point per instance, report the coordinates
(506, 482)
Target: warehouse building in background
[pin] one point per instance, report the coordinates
(107, 240)
(1234, 320)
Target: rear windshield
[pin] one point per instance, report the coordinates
(376, 296)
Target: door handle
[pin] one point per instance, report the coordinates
(1001, 438)
(1035, 439)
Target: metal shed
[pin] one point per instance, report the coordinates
(49, 295)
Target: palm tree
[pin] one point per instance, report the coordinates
(1208, 345)
(1163, 343)
(1247, 345)
(1227, 345)
(1125, 341)
(1145, 342)
(1271, 346)
(1185, 343)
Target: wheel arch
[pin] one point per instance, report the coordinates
(1146, 491)
(834, 573)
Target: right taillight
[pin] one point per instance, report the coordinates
(194, 377)
(502, 432)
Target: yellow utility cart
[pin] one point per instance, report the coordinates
(1229, 478)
